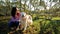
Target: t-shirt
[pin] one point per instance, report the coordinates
(14, 20)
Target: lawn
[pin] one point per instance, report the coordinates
(40, 26)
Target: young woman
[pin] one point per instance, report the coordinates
(15, 16)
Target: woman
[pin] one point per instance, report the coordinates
(15, 16)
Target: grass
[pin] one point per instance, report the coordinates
(56, 18)
(40, 26)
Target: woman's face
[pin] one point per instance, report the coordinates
(17, 12)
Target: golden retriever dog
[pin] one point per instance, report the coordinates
(25, 20)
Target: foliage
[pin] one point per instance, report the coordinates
(44, 21)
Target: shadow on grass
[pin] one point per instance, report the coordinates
(3, 28)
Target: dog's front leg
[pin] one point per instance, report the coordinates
(25, 25)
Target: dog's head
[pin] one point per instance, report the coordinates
(23, 14)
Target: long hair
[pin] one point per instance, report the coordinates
(13, 11)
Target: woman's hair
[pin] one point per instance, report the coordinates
(13, 12)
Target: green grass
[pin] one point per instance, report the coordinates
(56, 18)
(40, 26)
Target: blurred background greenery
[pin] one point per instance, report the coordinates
(45, 14)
